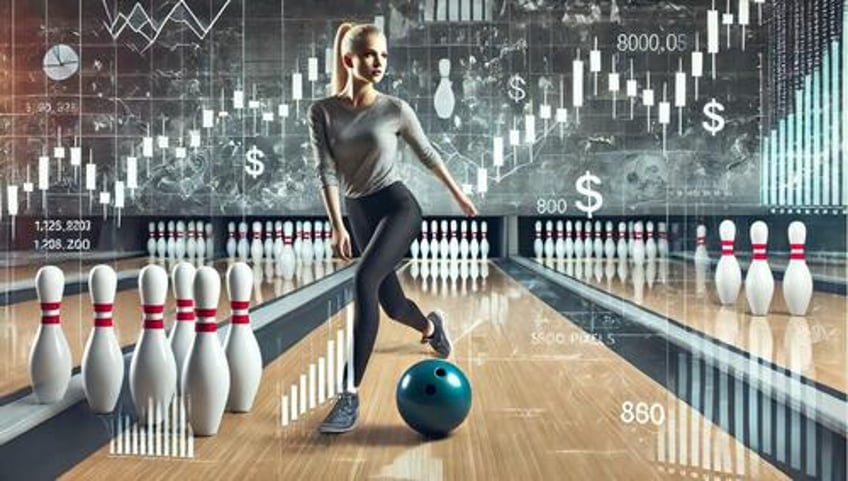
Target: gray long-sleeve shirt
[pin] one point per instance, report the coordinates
(356, 148)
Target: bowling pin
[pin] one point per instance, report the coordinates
(569, 240)
(621, 246)
(463, 241)
(242, 350)
(50, 357)
(434, 240)
(588, 246)
(170, 243)
(444, 246)
(484, 242)
(538, 245)
(153, 370)
(559, 244)
(650, 243)
(662, 240)
(759, 283)
(444, 99)
(180, 246)
(797, 281)
(630, 239)
(242, 246)
(256, 243)
(288, 262)
(182, 334)
(151, 239)
(609, 243)
(200, 239)
(598, 248)
(638, 253)
(318, 243)
(161, 243)
(413, 249)
(278, 240)
(298, 240)
(231, 240)
(453, 243)
(306, 253)
(474, 244)
(578, 239)
(191, 243)
(268, 244)
(102, 360)
(210, 241)
(701, 244)
(328, 240)
(206, 375)
(424, 245)
(728, 274)
(549, 239)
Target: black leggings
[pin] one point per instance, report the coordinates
(383, 225)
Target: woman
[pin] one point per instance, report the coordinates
(354, 135)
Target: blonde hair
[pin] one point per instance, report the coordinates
(349, 38)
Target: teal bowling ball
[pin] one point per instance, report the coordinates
(433, 397)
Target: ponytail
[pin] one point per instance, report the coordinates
(339, 79)
(349, 36)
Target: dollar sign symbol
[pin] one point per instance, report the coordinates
(716, 123)
(254, 165)
(516, 90)
(584, 187)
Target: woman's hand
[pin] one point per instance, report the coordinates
(466, 205)
(342, 244)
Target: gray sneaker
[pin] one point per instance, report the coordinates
(439, 341)
(343, 416)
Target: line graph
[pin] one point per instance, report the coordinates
(141, 23)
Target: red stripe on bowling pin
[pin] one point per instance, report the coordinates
(240, 312)
(701, 240)
(206, 320)
(759, 252)
(50, 312)
(727, 248)
(103, 315)
(796, 252)
(185, 310)
(153, 318)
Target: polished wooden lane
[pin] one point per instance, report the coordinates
(814, 346)
(540, 410)
(19, 322)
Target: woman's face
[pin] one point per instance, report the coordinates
(369, 64)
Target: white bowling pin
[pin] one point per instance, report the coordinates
(559, 244)
(231, 240)
(200, 239)
(759, 283)
(153, 371)
(538, 245)
(549, 239)
(444, 99)
(288, 261)
(638, 253)
(414, 249)
(650, 243)
(424, 245)
(210, 241)
(588, 245)
(180, 246)
(206, 375)
(569, 240)
(453, 242)
(191, 242)
(278, 240)
(797, 281)
(318, 242)
(50, 357)
(701, 244)
(298, 240)
(182, 334)
(621, 246)
(631, 238)
(484, 243)
(444, 245)
(434, 239)
(243, 355)
(256, 243)
(328, 240)
(578, 239)
(242, 246)
(102, 360)
(609, 243)
(463, 241)
(151, 239)
(728, 275)
(268, 245)
(598, 248)
(662, 240)
(474, 245)
(306, 253)
(170, 242)
(161, 243)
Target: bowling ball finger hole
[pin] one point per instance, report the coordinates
(440, 372)
(430, 389)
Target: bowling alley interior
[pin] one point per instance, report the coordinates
(424, 240)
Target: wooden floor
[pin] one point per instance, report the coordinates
(19, 322)
(540, 411)
(813, 346)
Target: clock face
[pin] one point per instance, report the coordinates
(60, 62)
